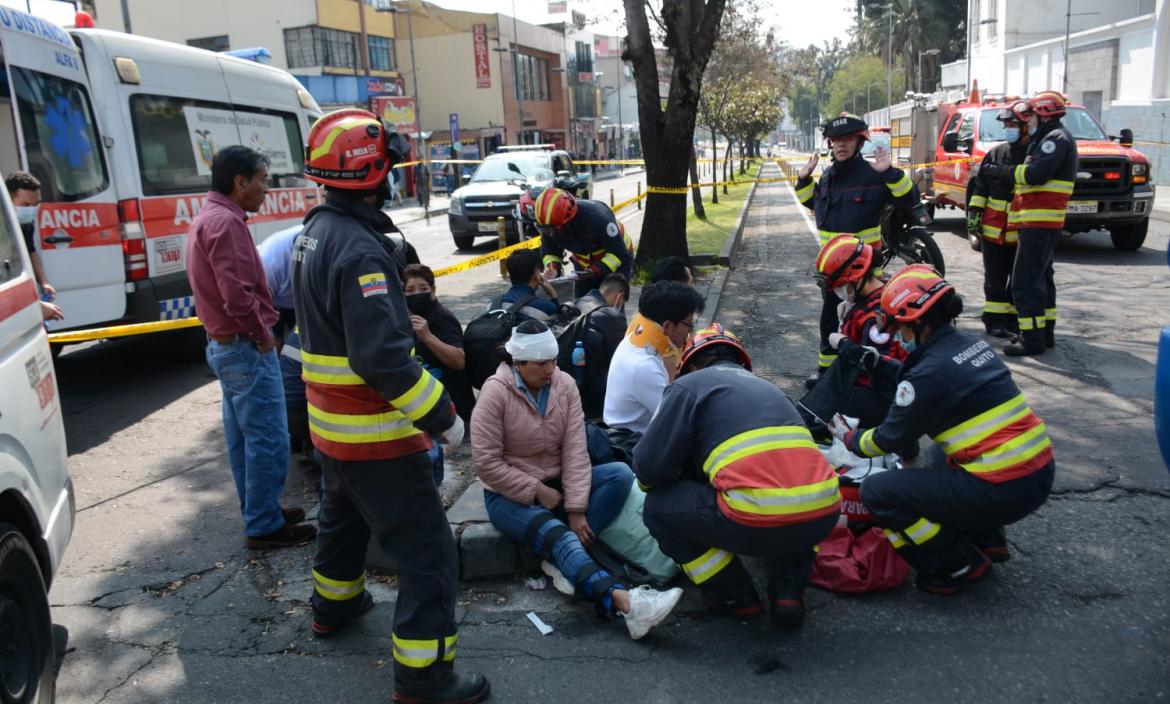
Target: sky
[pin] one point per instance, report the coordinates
(802, 23)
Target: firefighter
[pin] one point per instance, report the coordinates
(372, 409)
(730, 469)
(589, 231)
(1043, 185)
(850, 198)
(848, 267)
(987, 218)
(996, 463)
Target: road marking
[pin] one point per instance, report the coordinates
(812, 228)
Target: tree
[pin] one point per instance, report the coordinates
(852, 87)
(688, 31)
(918, 25)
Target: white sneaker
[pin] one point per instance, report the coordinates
(648, 608)
(561, 584)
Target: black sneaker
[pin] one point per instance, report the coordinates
(949, 581)
(786, 597)
(992, 543)
(735, 607)
(1000, 331)
(323, 628)
(810, 382)
(1019, 349)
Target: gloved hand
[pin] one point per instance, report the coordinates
(975, 221)
(835, 339)
(453, 436)
(841, 426)
(869, 358)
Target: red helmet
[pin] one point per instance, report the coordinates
(351, 149)
(845, 259)
(1048, 104)
(912, 292)
(555, 207)
(845, 125)
(707, 337)
(527, 205)
(1019, 111)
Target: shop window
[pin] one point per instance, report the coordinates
(381, 53)
(320, 46)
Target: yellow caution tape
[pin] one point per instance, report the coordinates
(123, 330)
(488, 258)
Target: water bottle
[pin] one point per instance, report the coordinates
(579, 361)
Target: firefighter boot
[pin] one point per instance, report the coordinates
(325, 625)
(1026, 344)
(438, 684)
(963, 564)
(730, 592)
(787, 577)
(991, 542)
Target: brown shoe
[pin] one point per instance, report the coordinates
(288, 536)
(293, 515)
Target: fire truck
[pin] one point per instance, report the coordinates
(1113, 191)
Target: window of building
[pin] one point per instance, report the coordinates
(584, 57)
(219, 43)
(320, 46)
(381, 53)
(531, 78)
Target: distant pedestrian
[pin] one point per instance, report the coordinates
(235, 306)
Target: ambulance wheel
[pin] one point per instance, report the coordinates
(464, 242)
(1129, 238)
(26, 636)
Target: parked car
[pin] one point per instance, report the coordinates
(494, 190)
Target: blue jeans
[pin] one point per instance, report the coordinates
(435, 455)
(609, 488)
(255, 426)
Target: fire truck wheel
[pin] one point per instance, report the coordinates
(1129, 238)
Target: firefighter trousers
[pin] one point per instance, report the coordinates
(1034, 286)
(999, 310)
(929, 513)
(395, 501)
(830, 324)
(685, 518)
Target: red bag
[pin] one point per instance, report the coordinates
(856, 564)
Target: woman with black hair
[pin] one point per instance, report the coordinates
(947, 517)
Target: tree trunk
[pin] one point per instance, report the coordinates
(696, 191)
(714, 158)
(728, 167)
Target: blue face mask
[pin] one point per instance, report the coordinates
(909, 346)
(1011, 134)
(1033, 129)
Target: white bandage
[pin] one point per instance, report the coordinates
(532, 347)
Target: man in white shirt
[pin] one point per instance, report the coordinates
(647, 359)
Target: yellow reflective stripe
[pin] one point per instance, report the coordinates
(354, 428)
(1002, 307)
(997, 204)
(1050, 314)
(1031, 323)
(1011, 237)
(921, 531)
(900, 187)
(868, 445)
(612, 261)
(415, 653)
(1018, 175)
(895, 538)
(1019, 216)
(421, 398)
(449, 648)
(977, 201)
(337, 131)
(552, 259)
(1054, 186)
(826, 360)
(328, 369)
(779, 437)
(707, 565)
(990, 232)
(979, 427)
(868, 235)
(1018, 450)
(805, 194)
(780, 501)
(338, 589)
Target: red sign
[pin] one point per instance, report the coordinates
(89, 224)
(172, 215)
(385, 86)
(585, 77)
(398, 114)
(483, 64)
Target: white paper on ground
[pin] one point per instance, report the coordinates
(541, 626)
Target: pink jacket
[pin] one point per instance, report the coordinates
(514, 448)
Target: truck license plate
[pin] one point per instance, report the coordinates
(1081, 206)
(491, 226)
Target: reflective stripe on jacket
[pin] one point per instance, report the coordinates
(728, 427)
(1045, 181)
(850, 197)
(995, 197)
(594, 238)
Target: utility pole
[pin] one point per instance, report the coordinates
(621, 127)
(1067, 27)
(125, 16)
(516, 69)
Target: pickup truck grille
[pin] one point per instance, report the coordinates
(1091, 176)
(488, 208)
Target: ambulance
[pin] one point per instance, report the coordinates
(120, 130)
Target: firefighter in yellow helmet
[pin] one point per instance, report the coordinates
(589, 231)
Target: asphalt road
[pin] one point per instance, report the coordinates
(162, 602)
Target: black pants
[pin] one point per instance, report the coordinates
(829, 325)
(927, 511)
(838, 391)
(397, 501)
(684, 517)
(1034, 285)
(999, 310)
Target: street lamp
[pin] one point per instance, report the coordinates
(889, 10)
(928, 52)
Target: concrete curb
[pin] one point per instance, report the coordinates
(437, 212)
(727, 254)
(1161, 215)
(727, 258)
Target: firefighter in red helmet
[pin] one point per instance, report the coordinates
(730, 469)
(996, 465)
(372, 410)
(588, 230)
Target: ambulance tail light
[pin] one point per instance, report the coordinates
(134, 253)
(133, 240)
(130, 219)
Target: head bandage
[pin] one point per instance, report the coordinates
(532, 347)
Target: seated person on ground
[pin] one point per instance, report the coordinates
(527, 275)
(600, 330)
(529, 449)
(647, 359)
(672, 269)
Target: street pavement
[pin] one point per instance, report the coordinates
(162, 602)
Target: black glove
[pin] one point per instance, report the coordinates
(992, 173)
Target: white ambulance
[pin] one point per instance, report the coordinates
(120, 130)
(36, 495)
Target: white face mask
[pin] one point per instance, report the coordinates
(26, 214)
(845, 293)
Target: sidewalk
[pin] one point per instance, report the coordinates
(410, 211)
(1161, 209)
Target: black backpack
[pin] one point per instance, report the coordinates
(486, 333)
(567, 338)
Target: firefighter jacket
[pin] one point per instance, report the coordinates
(850, 198)
(727, 426)
(955, 389)
(861, 329)
(368, 398)
(1044, 182)
(995, 195)
(594, 238)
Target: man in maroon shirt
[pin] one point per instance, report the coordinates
(235, 307)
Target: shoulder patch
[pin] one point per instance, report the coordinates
(1048, 146)
(373, 284)
(904, 396)
(878, 336)
(612, 229)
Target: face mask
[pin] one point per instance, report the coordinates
(26, 214)
(418, 302)
(909, 346)
(845, 293)
(1011, 134)
(1033, 127)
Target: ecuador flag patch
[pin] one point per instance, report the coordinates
(373, 284)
